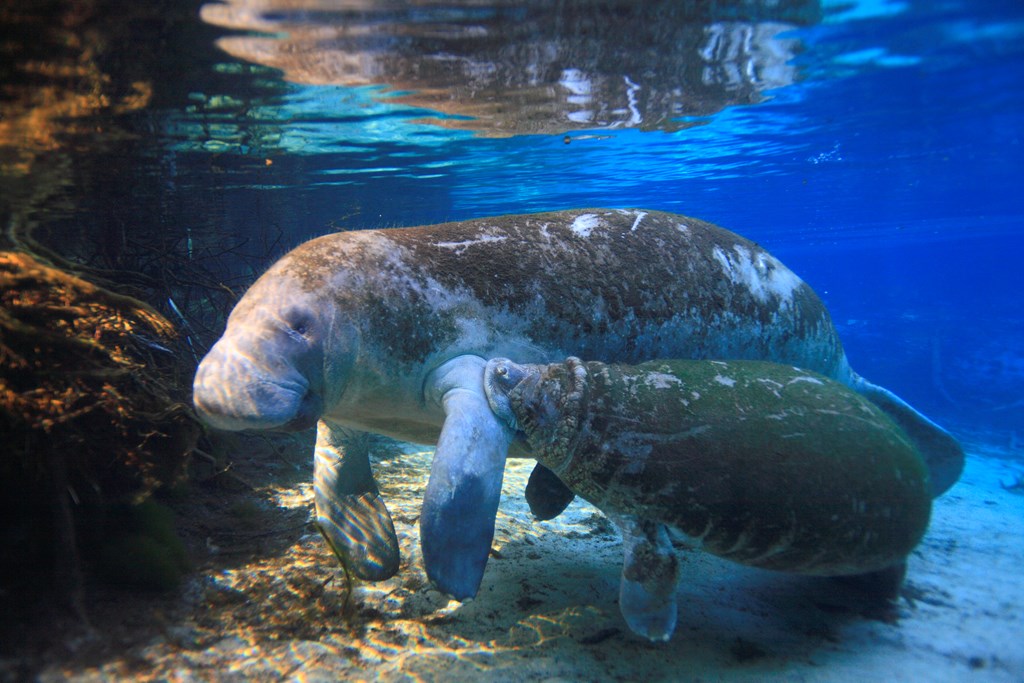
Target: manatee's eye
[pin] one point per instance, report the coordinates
(297, 321)
(501, 371)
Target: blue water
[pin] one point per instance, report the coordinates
(887, 176)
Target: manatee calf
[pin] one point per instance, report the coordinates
(387, 331)
(764, 464)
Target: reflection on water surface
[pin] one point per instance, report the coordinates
(530, 67)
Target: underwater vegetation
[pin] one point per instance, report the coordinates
(92, 417)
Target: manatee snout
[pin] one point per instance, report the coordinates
(234, 391)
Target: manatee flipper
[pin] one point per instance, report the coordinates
(650, 574)
(350, 513)
(942, 453)
(461, 500)
(546, 494)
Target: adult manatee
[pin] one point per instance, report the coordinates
(386, 331)
(763, 464)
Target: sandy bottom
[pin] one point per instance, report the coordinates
(269, 603)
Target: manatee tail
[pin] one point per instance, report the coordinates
(940, 449)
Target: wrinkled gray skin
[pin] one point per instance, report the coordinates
(385, 331)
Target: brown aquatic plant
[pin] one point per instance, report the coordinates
(89, 409)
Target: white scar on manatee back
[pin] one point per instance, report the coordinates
(762, 274)
(585, 223)
(460, 247)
